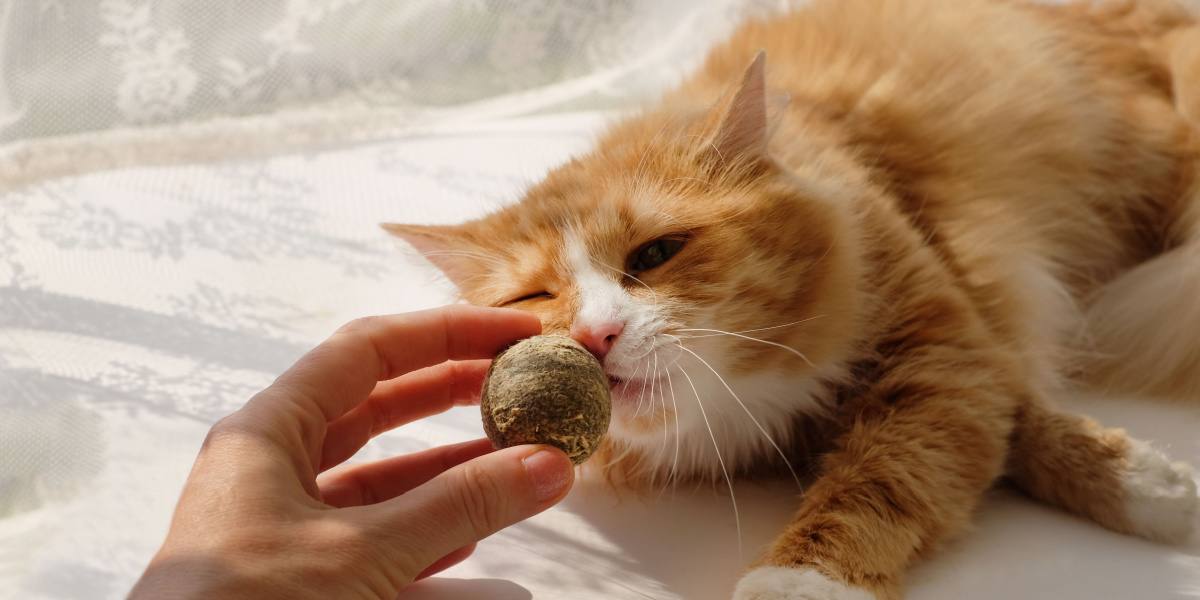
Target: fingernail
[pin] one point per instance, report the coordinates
(551, 473)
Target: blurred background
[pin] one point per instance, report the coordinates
(312, 72)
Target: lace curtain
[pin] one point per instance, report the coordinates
(273, 75)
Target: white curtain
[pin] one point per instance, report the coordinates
(92, 84)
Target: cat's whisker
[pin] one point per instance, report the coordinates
(674, 472)
(754, 420)
(650, 412)
(662, 400)
(671, 474)
(645, 354)
(737, 518)
(761, 341)
(636, 371)
(792, 324)
(642, 393)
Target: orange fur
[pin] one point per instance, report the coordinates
(959, 206)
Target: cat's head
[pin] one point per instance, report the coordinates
(677, 250)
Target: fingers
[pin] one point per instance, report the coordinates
(338, 374)
(474, 500)
(419, 394)
(379, 481)
(295, 411)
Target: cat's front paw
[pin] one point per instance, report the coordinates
(785, 583)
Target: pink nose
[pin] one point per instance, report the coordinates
(598, 338)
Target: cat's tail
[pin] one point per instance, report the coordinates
(1102, 474)
(1144, 327)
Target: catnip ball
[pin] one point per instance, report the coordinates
(549, 390)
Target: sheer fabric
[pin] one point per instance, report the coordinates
(96, 84)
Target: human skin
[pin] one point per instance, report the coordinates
(259, 516)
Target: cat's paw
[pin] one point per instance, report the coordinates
(1160, 495)
(784, 583)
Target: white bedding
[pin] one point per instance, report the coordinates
(137, 306)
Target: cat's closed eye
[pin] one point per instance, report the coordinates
(654, 254)
(530, 296)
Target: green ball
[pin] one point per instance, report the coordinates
(549, 390)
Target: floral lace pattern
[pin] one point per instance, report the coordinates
(138, 63)
(157, 81)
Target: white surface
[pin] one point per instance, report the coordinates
(137, 306)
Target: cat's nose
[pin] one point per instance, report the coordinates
(598, 338)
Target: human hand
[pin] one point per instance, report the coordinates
(255, 520)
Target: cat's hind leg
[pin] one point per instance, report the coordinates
(1102, 474)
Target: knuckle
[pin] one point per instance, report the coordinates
(329, 533)
(367, 332)
(358, 325)
(223, 426)
(226, 427)
(480, 499)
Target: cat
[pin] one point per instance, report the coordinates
(879, 261)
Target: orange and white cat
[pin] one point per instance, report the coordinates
(882, 257)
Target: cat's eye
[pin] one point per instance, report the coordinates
(655, 253)
(527, 297)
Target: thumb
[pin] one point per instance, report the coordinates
(476, 499)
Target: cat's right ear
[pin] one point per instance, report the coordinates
(448, 247)
(742, 133)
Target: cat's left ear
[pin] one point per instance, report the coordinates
(746, 122)
(448, 247)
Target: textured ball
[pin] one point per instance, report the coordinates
(547, 390)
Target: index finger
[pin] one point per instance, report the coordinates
(340, 372)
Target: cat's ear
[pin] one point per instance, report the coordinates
(448, 247)
(743, 130)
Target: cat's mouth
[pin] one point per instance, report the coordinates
(623, 384)
(631, 389)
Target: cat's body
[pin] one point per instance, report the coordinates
(961, 208)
